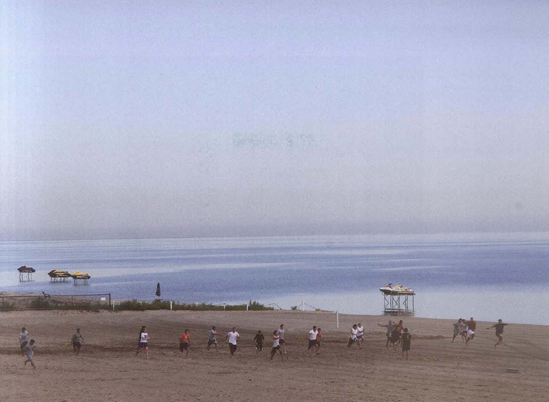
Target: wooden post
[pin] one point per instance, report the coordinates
(337, 319)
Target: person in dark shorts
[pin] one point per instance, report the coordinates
(390, 328)
(400, 328)
(77, 341)
(231, 338)
(143, 344)
(456, 326)
(23, 340)
(499, 331)
(312, 338)
(258, 338)
(185, 342)
(211, 339)
(276, 345)
(395, 337)
(406, 343)
(281, 332)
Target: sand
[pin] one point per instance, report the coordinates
(107, 370)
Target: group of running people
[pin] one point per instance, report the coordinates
(464, 328)
(28, 345)
(397, 335)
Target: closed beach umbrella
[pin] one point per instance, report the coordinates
(158, 289)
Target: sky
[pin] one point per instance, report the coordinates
(136, 119)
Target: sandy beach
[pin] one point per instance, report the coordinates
(107, 370)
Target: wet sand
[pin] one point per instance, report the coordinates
(107, 369)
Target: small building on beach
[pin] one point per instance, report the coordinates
(25, 273)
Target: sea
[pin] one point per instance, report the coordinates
(482, 275)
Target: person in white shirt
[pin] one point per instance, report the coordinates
(211, 339)
(352, 337)
(276, 345)
(231, 338)
(143, 344)
(312, 338)
(360, 335)
(281, 331)
(23, 340)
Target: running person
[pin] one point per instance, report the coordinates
(352, 336)
(318, 340)
(390, 328)
(499, 331)
(211, 339)
(400, 328)
(406, 343)
(470, 336)
(360, 335)
(456, 325)
(276, 345)
(472, 327)
(28, 349)
(77, 341)
(231, 338)
(143, 341)
(312, 338)
(395, 337)
(464, 330)
(185, 342)
(281, 332)
(259, 337)
(23, 340)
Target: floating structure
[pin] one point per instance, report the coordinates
(80, 278)
(396, 300)
(57, 275)
(25, 273)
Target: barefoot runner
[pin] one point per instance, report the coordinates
(276, 345)
(259, 337)
(312, 338)
(29, 351)
(281, 332)
(352, 336)
(23, 339)
(499, 331)
(185, 342)
(389, 327)
(77, 341)
(406, 343)
(318, 340)
(231, 338)
(360, 335)
(143, 344)
(211, 339)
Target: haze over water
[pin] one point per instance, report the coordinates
(487, 276)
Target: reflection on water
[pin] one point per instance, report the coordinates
(486, 276)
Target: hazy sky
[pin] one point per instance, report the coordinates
(195, 118)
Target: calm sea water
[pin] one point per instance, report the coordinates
(488, 276)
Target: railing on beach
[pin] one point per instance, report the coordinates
(45, 301)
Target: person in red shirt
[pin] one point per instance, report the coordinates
(185, 342)
(318, 340)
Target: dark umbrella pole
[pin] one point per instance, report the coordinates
(158, 290)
